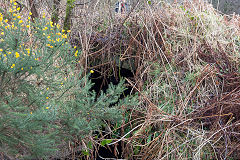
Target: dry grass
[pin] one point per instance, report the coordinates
(185, 60)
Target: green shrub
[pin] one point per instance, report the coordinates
(44, 101)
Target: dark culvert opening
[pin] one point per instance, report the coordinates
(101, 82)
(104, 59)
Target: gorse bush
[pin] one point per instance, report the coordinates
(44, 102)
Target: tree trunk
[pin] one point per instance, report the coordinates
(67, 20)
(33, 10)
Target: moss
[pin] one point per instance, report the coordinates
(67, 21)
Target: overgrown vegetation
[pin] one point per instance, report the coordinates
(186, 77)
(46, 102)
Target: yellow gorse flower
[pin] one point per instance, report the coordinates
(17, 54)
(28, 50)
(76, 53)
(64, 36)
(43, 15)
(51, 23)
(13, 65)
(45, 28)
